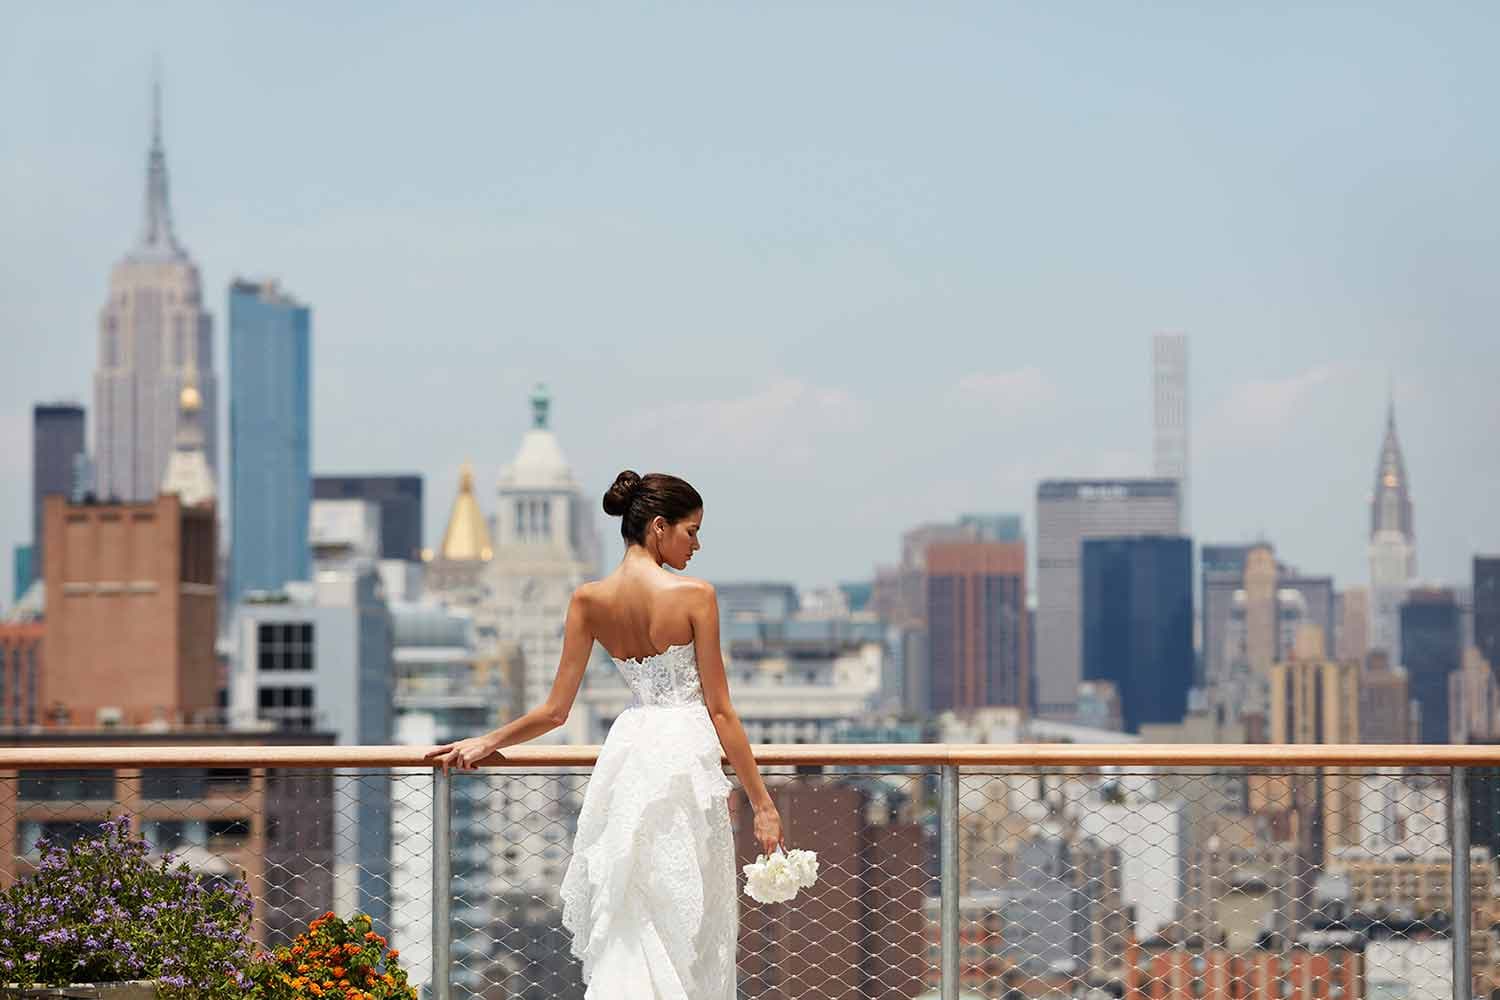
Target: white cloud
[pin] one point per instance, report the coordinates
(1265, 410)
(782, 419)
(1006, 394)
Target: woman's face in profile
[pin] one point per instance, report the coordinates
(679, 541)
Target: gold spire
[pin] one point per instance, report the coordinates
(190, 400)
(467, 537)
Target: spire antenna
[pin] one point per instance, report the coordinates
(157, 237)
(156, 102)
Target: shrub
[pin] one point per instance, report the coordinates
(336, 959)
(100, 910)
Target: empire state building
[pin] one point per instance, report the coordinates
(154, 335)
(1393, 543)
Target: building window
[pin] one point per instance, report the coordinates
(174, 783)
(228, 832)
(285, 646)
(288, 707)
(68, 785)
(166, 834)
(62, 832)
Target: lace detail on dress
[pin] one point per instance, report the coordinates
(668, 678)
(650, 895)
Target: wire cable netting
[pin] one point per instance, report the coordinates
(1092, 882)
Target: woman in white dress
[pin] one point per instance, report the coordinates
(650, 895)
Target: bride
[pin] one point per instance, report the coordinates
(650, 893)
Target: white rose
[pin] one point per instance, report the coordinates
(775, 878)
(805, 865)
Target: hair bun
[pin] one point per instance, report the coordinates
(617, 498)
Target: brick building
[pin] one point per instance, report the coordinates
(131, 613)
(871, 882)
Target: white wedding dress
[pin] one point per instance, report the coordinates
(650, 895)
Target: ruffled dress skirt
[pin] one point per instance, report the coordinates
(650, 895)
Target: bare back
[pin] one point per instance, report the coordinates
(641, 610)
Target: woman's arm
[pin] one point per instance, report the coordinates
(578, 644)
(704, 614)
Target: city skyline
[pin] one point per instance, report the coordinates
(841, 233)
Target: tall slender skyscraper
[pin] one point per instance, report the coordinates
(1169, 442)
(270, 431)
(1393, 543)
(152, 329)
(56, 441)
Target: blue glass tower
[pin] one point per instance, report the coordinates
(1138, 623)
(270, 431)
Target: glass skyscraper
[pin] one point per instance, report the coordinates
(270, 431)
(1431, 651)
(1138, 623)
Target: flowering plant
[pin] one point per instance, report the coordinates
(99, 910)
(777, 877)
(335, 958)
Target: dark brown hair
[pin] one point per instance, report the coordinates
(635, 500)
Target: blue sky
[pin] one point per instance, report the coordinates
(846, 267)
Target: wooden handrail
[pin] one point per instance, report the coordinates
(973, 755)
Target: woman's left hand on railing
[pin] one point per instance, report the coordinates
(464, 755)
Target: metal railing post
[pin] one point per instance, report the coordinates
(1458, 842)
(442, 882)
(948, 880)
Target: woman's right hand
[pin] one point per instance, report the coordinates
(767, 828)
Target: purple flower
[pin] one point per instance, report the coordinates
(32, 956)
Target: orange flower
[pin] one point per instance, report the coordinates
(338, 972)
(393, 953)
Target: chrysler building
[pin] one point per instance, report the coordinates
(1393, 544)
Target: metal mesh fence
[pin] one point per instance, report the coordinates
(1138, 883)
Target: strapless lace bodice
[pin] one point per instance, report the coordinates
(668, 678)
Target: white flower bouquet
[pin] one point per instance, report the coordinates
(775, 878)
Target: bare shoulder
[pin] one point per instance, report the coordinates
(695, 587)
(690, 592)
(586, 596)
